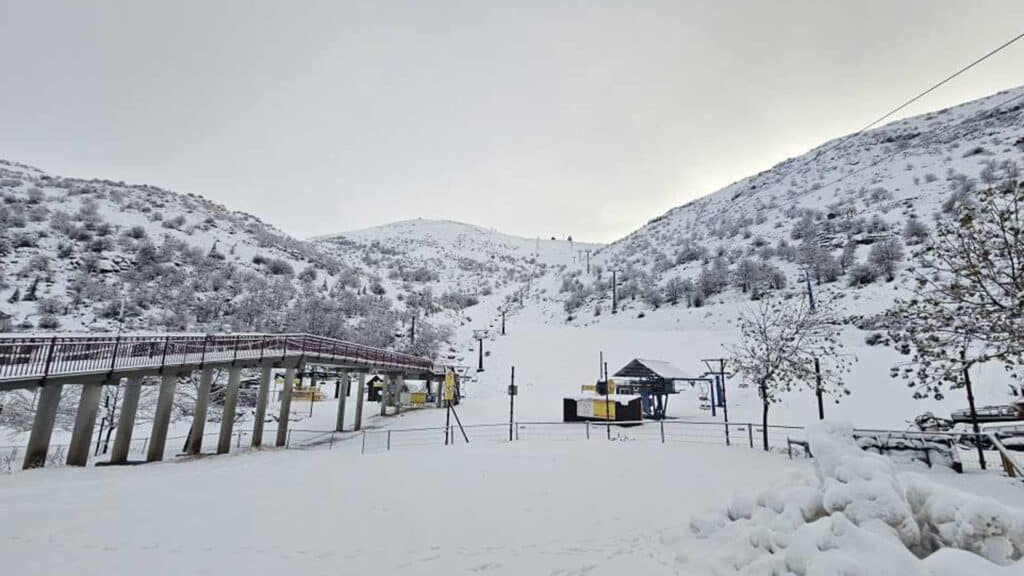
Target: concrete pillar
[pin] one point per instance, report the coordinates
(359, 401)
(261, 407)
(227, 420)
(85, 422)
(399, 381)
(195, 439)
(342, 396)
(286, 406)
(385, 395)
(42, 426)
(162, 418)
(126, 423)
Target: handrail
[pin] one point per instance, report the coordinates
(35, 356)
(1010, 465)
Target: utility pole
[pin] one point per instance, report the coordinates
(480, 335)
(588, 261)
(502, 321)
(818, 391)
(512, 391)
(412, 330)
(615, 294)
(721, 376)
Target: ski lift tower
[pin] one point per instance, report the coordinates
(479, 336)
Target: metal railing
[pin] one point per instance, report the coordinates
(39, 357)
(933, 449)
(958, 451)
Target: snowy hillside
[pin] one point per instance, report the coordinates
(849, 212)
(457, 275)
(95, 255)
(98, 255)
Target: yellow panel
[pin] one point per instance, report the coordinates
(418, 398)
(604, 410)
(449, 387)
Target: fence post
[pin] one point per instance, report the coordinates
(750, 433)
(588, 429)
(517, 430)
(288, 440)
(608, 428)
(362, 449)
(389, 440)
(331, 445)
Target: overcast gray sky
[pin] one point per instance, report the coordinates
(536, 118)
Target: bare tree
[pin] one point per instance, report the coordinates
(779, 341)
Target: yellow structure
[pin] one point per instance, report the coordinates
(313, 393)
(593, 387)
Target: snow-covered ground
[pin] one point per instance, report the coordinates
(529, 507)
(523, 508)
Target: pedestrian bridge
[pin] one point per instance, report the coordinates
(49, 362)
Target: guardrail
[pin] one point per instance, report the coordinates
(40, 357)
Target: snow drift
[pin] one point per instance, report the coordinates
(859, 515)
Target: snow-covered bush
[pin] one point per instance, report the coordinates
(859, 515)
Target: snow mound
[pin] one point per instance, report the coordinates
(859, 515)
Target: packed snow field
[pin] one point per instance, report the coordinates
(530, 507)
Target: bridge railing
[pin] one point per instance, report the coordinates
(23, 357)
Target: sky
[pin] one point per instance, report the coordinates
(534, 118)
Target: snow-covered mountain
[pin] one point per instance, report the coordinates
(459, 276)
(848, 212)
(454, 255)
(100, 255)
(97, 255)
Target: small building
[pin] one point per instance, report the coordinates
(6, 321)
(653, 381)
(613, 407)
(375, 388)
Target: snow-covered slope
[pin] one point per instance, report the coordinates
(456, 275)
(859, 190)
(96, 255)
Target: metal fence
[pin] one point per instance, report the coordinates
(958, 451)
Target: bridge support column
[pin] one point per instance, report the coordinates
(42, 426)
(85, 422)
(398, 379)
(195, 439)
(126, 423)
(343, 383)
(227, 420)
(162, 418)
(359, 401)
(286, 406)
(261, 407)
(385, 395)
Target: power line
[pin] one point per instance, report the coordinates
(848, 139)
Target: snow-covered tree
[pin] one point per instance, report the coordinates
(779, 340)
(885, 255)
(968, 305)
